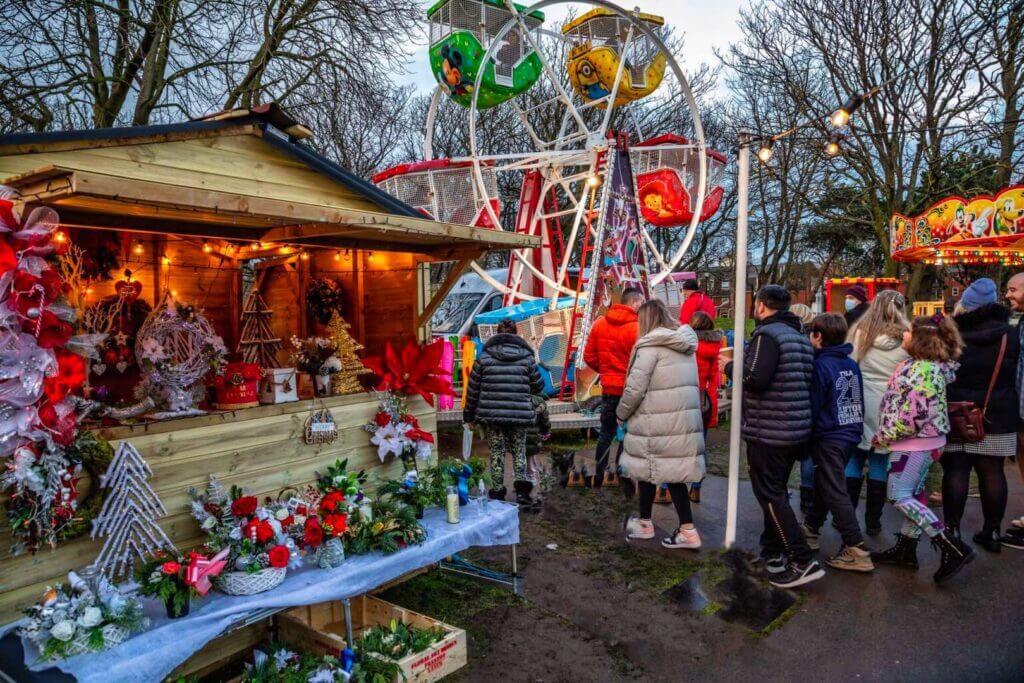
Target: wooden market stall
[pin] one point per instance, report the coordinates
(835, 289)
(209, 211)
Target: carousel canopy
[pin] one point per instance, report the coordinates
(982, 229)
(242, 175)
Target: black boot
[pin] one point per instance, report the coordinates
(497, 494)
(523, 489)
(853, 485)
(903, 554)
(806, 499)
(989, 540)
(873, 507)
(955, 554)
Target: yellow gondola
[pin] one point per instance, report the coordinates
(599, 37)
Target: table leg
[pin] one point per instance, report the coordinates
(349, 640)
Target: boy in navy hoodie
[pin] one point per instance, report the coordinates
(837, 404)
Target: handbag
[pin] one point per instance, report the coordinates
(966, 419)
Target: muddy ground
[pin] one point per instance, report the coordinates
(596, 608)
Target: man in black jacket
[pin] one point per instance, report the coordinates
(499, 396)
(777, 367)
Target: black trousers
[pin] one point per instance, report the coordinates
(956, 481)
(770, 467)
(830, 494)
(680, 498)
(609, 427)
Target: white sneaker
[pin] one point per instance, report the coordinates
(683, 538)
(639, 529)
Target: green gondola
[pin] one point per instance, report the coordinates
(460, 33)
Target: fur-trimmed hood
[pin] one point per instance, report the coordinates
(983, 326)
(714, 336)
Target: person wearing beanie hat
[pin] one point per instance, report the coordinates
(856, 303)
(990, 356)
(980, 293)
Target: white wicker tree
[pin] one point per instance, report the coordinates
(129, 515)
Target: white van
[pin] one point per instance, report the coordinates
(469, 297)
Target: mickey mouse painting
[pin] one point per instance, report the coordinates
(451, 77)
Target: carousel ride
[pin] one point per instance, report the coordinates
(592, 186)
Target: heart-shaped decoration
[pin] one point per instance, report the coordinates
(99, 368)
(121, 367)
(128, 290)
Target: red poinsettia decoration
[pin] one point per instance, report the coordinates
(417, 370)
(70, 376)
(313, 533)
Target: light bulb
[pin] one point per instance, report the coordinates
(765, 153)
(592, 181)
(138, 249)
(832, 148)
(304, 255)
(840, 117)
(207, 248)
(337, 256)
(165, 260)
(59, 237)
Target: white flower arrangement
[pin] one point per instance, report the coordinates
(76, 618)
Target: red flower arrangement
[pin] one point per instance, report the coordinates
(258, 530)
(313, 533)
(335, 524)
(170, 568)
(416, 370)
(332, 501)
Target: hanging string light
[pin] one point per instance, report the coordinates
(765, 153)
(832, 147)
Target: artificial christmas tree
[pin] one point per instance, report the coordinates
(128, 517)
(258, 344)
(346, 381)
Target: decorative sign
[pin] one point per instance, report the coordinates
(955, 223)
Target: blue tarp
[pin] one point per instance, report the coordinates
(153, 654)
(522, 311)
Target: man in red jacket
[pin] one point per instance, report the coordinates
(608, 349)
(694, 300)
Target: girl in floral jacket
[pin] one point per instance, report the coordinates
(913, 423)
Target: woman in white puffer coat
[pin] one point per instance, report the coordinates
(877, 340)
(660, 405)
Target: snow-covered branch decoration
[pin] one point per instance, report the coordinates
(129, 514)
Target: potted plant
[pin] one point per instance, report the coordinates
(315, 356)
(175, 581)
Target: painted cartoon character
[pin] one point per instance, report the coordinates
(978, 225)
(655, 203)
(1009, 219)
(589, 81)
(451, 78)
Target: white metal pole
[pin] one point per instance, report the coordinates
(739, 329)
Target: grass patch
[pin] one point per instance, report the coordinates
(621, 663)
(781, 620)
(711, 609)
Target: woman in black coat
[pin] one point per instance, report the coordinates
(983, 324)
(501, 384)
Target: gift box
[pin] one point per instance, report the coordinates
(279, 385)
(238, 386)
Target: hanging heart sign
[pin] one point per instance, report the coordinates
(121, 367)
(99, 368)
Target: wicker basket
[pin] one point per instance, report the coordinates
(113, 636)
(244, 583)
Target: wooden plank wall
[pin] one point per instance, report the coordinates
(260, 449)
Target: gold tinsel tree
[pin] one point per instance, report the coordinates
(347, 380)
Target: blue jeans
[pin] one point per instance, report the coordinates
(878, 465)
(807, 473)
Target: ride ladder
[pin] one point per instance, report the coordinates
(567, 389)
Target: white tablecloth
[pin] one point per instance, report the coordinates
(153, 654)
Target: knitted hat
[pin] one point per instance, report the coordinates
(982, 291)
(858, 292)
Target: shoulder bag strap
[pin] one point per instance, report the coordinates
(995, 373)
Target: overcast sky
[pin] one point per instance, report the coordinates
(707, 24)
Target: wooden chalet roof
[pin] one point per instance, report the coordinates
(242, 175)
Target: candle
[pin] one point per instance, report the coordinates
(452, 505)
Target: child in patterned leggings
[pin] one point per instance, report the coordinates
(913, 423)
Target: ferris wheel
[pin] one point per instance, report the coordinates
(551, 110)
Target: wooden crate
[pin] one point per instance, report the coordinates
(321, 630)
